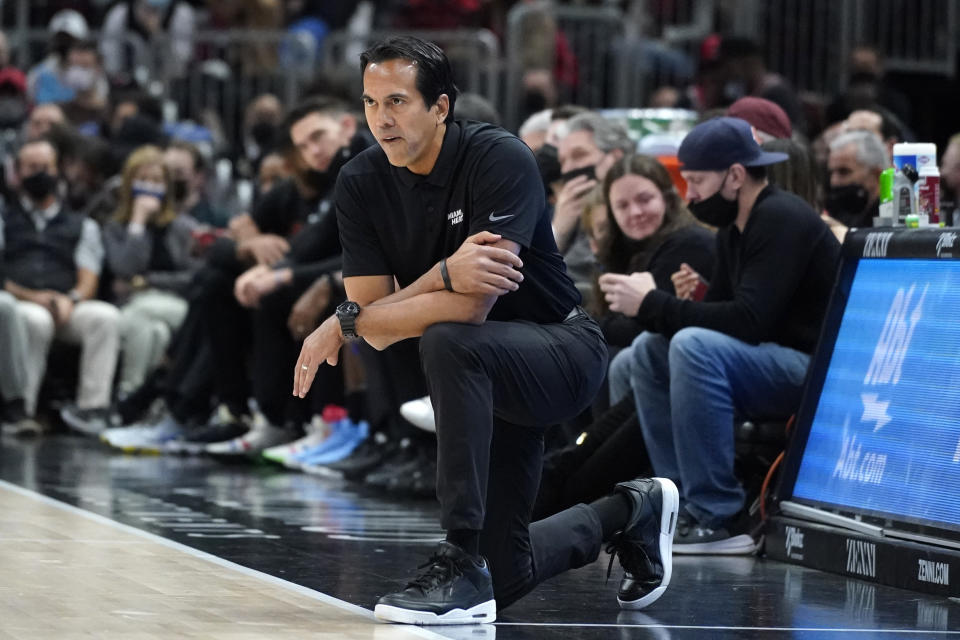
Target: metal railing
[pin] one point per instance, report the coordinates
(474, 55)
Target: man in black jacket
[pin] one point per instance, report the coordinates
(745, 348)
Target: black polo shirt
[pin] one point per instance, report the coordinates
(394, 222)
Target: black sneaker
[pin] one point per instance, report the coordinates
(644, 545)
(223, 425)
(91, 422)
(452, 588)
(405, 454)
(418, 478)
(693, 538)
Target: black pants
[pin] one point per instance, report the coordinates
(495, 388)
(274, 356)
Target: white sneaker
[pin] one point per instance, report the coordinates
(419, 413)
(317, 430)
(261, 436)
(147, 438)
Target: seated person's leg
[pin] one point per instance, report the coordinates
(40, 330)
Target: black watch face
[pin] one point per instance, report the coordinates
(349, 308)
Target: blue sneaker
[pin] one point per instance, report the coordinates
(346, 437)
(144, 438)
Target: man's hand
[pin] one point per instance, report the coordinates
(570, 205)
(323, 345)
(257, 282)
(306, 311)
(480, 269)
(264, 249)
(60, 306)
(625, 294)
(685, 281)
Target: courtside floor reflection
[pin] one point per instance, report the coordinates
(353, 545)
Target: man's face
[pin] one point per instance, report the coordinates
(318, 137)
(703, 184)
(179, 163)
(37, 157)
(950, 169)
(273, 168)
(578, 150)
(42, 119)
(845, 170)
(403, 124)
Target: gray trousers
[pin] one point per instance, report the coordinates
(13, 350)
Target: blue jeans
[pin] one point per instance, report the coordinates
(689, 389)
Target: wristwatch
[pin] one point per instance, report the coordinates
(347, 313)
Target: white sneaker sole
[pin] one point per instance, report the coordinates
(741, 545)
(479, 614)
(668, 522)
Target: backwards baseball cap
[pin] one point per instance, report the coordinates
(717, 144)
(763, 114)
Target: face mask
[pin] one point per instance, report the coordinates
(549, 163)
(847, 201)
(145, 188)
(39, 185)
(180, 190)
(80, 78)
(263, 134)
(590, 172)
(716, 210)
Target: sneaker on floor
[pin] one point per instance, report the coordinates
(368, 456)
(144, 438)
(693, 538)
(419, 413)
(404, 457)
(317, 430)
(644, 545)
(14, 420)
(261, 436)
(418, 479)
(452, 588)
(91, 422)
(346, 438)
(222, 426)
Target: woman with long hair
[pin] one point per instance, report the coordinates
(149, 250)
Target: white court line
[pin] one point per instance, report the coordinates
(719, 627)
(289, 586)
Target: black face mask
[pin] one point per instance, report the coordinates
(179, 189)
(548, 161)
(590, 172)
(263, 134)
(716, 210)
(39, 185)
(847, 202)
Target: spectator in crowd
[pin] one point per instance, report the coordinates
(856, 160)
(798, 174)
(42, 118)
(149, 250)
(188, 174)
(91, 183)
(261, 132)
(533, 131)
(648, 230)
(768, 119)
(45, 80)
(165, 26)
(880, 123)
(743, 72)
(13, 91)
(592, 145)
(867, 88)
(87, 110)
(950, 175)
(273, 169)
(745, 348)
(52, 262)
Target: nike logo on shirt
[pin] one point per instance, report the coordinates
(494, 218)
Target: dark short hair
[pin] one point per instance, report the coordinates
(199, 162)
(759, 174)
(434, 75)
(323, 105)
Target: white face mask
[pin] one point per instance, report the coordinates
(80, 78)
